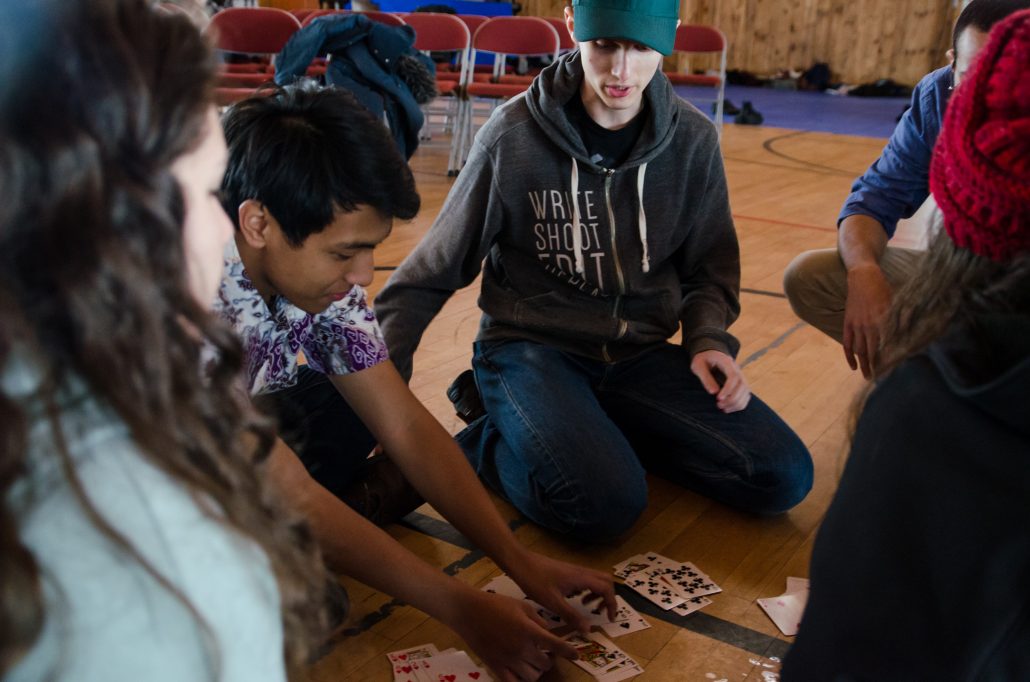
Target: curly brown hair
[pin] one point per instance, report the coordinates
(98, 100)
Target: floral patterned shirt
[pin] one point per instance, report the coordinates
(344, 338)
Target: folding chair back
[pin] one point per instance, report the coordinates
(315, 14)
(253, 30)
(385, 18)
(439, 32)
(473, 21)
(517, 36)
(698, 39)
(567, 44)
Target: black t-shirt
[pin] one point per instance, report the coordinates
(607, 148)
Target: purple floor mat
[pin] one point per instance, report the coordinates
(814, 111)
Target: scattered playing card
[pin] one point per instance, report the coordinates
(415, 652)
(601, 658)
(426, 664)
(787, 609)
(507, 587)
(693, 604)
(657, 592)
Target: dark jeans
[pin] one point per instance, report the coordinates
(322, 429)
(567, 440)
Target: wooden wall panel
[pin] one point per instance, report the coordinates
(861, 40)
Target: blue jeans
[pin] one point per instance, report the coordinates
(567, 439)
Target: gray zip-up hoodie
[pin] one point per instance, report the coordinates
(656, 247)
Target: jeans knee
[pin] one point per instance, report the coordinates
(786, 488)
(602, 515)
(607, 514)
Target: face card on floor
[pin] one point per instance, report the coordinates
(642, 563)
(597, 654)
(415, 652)
(654, 591)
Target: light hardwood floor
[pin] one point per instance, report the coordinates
(786, 188)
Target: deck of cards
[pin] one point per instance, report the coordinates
(674, 586)
(601, 658)
(627, 619)
(425, 663)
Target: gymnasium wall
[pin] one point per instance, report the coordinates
(861, 40)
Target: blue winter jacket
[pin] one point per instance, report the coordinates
(364, 61)
(898, 182)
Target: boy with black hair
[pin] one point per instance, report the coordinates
(314, 183)
(599, 203)
(845, 292)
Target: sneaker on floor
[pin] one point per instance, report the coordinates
(381, 493)
(728, 108)
(748, 116)
(464, 395)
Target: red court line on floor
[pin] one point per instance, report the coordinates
(780, 222)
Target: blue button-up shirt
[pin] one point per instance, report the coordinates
(898, 182)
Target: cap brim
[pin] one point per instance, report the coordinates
(658, 33)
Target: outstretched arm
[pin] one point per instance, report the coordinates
(506, 633)
(430, 458)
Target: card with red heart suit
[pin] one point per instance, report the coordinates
(425, 663)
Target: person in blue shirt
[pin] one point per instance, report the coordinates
(846, 291)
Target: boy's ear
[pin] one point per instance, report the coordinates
(254, 223)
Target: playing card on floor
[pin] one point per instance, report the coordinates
(657, 592)
(688, 607)
(601, 658)
(787, 609)
(453, 667)
(403, 663)
(507, 587)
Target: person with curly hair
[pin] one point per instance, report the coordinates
(136, 539)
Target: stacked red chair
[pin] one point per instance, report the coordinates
(256, 31)
(698, 39)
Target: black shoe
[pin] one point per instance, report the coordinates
(464, 395)
(728, 108)
(381, 493)
(748, 116)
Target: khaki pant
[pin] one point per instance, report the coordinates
(816, 284)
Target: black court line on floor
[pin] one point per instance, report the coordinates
(772, 346)
(829, 170)
(710, 626)
(763, 292)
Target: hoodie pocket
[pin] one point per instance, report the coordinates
(582, 319)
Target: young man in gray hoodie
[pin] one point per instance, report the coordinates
(582, 390)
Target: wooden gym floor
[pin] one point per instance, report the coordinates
(786, 188)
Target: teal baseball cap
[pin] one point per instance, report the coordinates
(648, 22)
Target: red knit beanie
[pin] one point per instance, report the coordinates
(980, 173)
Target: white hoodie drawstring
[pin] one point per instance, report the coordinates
(645, 261)
(577, 235)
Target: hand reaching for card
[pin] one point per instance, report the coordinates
(549, 581)
(508, 636)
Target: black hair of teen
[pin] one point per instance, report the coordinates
(305, 152)
(983, 15)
